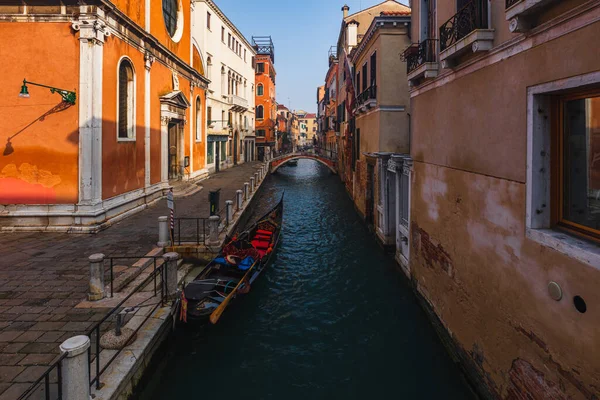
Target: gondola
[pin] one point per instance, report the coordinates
(231, 274)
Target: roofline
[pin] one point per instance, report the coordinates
(211, 4)
(374, 27)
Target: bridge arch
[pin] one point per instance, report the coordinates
(279, 162)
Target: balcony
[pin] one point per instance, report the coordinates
(366, 100)
(237, 103)
(521, 12)
(421, 60)
(467, 30)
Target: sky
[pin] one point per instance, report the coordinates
(302, 31)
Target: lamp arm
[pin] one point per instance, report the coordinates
(67, 95)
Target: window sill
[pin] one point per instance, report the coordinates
(570, 246)
(198, 140)
(125, 140)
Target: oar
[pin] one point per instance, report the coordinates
(214, 317)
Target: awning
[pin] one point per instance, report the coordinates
(217, 138)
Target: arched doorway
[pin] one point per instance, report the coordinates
(235, 148)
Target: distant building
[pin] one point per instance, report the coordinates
(321, 117)
(266, 105)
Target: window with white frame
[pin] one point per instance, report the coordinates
(260, 90)
(126, 101)
(198, 119)
(260, 112)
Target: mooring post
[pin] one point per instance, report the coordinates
(228, 212)
(252, 185)
(163, 232)
(171, 271)
(213, 229)
(246, 190)
(256, 179)
(97, 291)
(75, 372)
(239, 197)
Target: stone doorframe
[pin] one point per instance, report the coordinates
(173, 107)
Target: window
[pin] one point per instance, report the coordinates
(260, 112)
(170, 15)
(223, 34)
(126, 97)
(208, 20)
(577, 171)
(223, 151)
(210, 153)
(229, 40)
(260, 68)
(198, 119)
(365, 85)
(244, 55)
(209, 114)
(260, 133)
(374, 69)
(245, 122)
(260, 89)
(358, 83)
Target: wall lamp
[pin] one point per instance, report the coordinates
(67, 95)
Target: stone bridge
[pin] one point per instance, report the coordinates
(282, 160)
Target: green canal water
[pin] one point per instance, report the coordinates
(332, 318)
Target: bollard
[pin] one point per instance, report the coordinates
(260, 174)
(256, 179)
(163, 232)
(170, 269)
(239, 196)
(213, 229)
(75, 368)
(228, 212)
(252, 185)
(246, 190)
(96, 277)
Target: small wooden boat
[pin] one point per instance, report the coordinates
(234, 270)
(292, 163)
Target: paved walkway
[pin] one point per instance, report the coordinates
(44, 275)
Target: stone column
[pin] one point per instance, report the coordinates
(239, 196)
(246, 190)
(96, 277)
(163, 232)
(75, 368)
(171, 274)
(228, 212)
(213, 229)
(252, 185)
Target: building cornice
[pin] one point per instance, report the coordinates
(384, 21)
(211, 4)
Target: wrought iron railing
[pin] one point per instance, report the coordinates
(424, 52)
(190, 230)
(50, 384)
(472, 16)
(510, 3)
(113, 261)
(368, 94)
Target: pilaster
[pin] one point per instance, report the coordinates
(149, 60)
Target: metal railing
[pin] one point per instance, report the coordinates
(111, 262)
(95, 332)
(190, 230)
(369, 94)
(421, 53)
(474, 15)
(510, 3)
(46, 379)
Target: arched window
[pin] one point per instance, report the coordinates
(260, 112)
(170, 15)
(260, 90)
(126, 100)
(198, 119)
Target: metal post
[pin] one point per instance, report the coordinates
(171, 266)
(246, 190)
(252, 185)
(75, 368)
(97, 291)
(239, 196)
(228, 212)
(163, 232)
(213, 230)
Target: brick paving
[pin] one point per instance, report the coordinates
(44, 275)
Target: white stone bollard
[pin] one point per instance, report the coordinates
(97, 291)
(171, 274)
(239, 196)
(252, 185)
(75, 368)
(163, 232)
(256, 179)
(213, 229)
(246, 191)
(228, 212)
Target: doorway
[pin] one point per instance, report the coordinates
(173, 146)
(217, 156)
(235, 148)
(370, 198)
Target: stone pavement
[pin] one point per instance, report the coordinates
(44, 275)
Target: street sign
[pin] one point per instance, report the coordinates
(170, 200)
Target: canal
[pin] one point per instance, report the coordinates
(332, 317)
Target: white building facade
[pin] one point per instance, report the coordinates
(229, 61)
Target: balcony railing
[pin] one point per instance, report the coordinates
(424, 52)
(510, 3)
(238, 102)
(369, 94)
(472, 16)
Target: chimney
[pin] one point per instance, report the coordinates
(345, 9)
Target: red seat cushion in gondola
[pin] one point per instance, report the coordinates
(263, 232)
(260, 244)
(262, 253)
(262, 237)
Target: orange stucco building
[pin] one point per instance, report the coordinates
(140, 87)
(266, 105)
